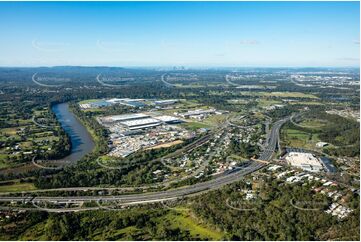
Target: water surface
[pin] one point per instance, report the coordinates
(81, 140)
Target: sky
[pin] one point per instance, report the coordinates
(242, 34)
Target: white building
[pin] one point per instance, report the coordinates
(321, 144)
(305, 161)
(165, 102)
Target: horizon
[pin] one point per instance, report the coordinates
(192, 34)
(189, 67)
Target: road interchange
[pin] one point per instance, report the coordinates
(142, 198)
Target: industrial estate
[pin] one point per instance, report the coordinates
(180, 121)
(123, 152)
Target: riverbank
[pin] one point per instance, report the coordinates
(81, 139)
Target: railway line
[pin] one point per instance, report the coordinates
(223, 179)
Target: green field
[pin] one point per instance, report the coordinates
(306, 103)
(215, 120)
(280, 94)
(185, 221)
(299, 139)
(238, 101)
(195, 125)
(89, 101)
(267, 102)
(313, 123)
(17, 187)
(3, 163)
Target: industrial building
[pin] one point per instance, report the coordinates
(169, 119)
(305, 161)
(136, 131)
(139, 121)
(137, 103)
(125, 117)
(197, 113)
(165, 102)
(321, 144)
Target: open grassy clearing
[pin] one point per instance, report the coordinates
(3, 162)
(9, 131)
(238, 158)
(17, 187)
(199, 85)
(185, 221)
(194, 125)
(166, 145)
(89, 101)
(306, 103)
(215, 120)
(181, 220)
(280, 94)
(314, 123)
(262, 102)
(238, 101)
(300, 139)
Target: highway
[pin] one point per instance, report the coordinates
(230, 82)
(225, 178)
(163, 195)
(163, 79)
(273, 140)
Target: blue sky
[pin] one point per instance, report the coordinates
(180, 33)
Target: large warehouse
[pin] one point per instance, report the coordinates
(140, 120)
(141, 123)
(305, 161)
(125, 117)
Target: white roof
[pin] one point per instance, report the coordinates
(166, 118)
(128, 116)
(306, 161)
(165, 101)
(144, 126)
(138, 122)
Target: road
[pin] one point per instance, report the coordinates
(163, 79)
(273, 140)
(169, 194)
(225, 178)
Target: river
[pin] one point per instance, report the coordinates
(81, 140)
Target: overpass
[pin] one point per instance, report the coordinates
(224, 179)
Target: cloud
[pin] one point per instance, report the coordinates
(49, 45)
(249, 42)
(356, 42)
(349, 59)
(113, 46)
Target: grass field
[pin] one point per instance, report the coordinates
(306, 103)
(238, 158)
(17, 187)
(314, 123)
(262, 102)
(185, 221)
(238, 101)
(182, 220)
(166, 145)
(299, 139)
(215, 120)
(89, 101)
(10, 131)
(3, 164)
(280, 94)
(195, 125)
